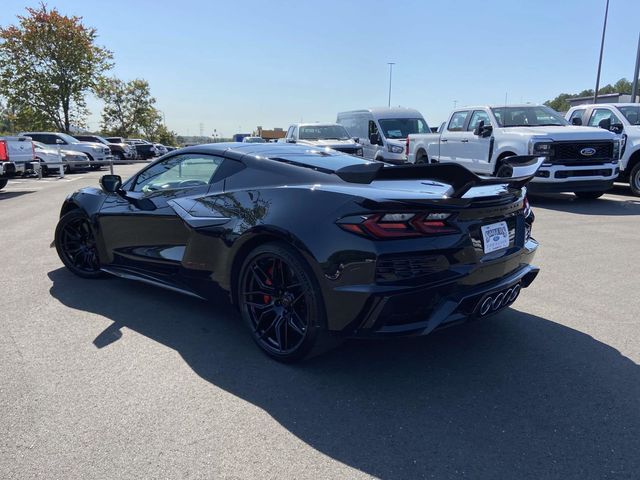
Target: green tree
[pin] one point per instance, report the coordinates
(128, 107)
(48, 63)
(561, 102)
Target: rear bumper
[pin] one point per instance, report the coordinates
(7, 169)
(410, 311)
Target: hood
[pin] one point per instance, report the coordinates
(64, 151)
(330, 143)
(560, 133)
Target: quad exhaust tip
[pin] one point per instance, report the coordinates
(496, 301)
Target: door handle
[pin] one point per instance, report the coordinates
(464, 140)
(443, 140)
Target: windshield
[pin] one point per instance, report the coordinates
(632, 114)
(395, 128)
(323, 132)
(67, 138)
(533, 116)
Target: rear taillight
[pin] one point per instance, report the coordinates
(4, 152)
(399, 225)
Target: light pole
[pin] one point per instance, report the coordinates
(391, 64)
(636, 73)
(604, 30)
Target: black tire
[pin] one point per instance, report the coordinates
(634, 179)
(76, 245)
(281, 303)
(504, 171)
(67, 168)
(3, 183)
(118, 156)
(421, 157)
(588, 195)
(43, 167)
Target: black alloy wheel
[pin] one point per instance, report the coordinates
(280, 303)
(76, 245)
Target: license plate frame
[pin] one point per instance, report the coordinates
(495, 236)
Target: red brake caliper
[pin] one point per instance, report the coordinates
(267, 298)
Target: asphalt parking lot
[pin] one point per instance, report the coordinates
(114, 379)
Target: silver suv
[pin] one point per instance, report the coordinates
(96, 152)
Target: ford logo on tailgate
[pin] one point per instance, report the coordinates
(587, 152)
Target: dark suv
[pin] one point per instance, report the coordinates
(119, 150)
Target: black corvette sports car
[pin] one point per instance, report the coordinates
(311, 245)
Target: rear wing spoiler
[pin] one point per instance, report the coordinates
(461, 179)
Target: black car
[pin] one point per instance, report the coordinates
(144, 149)
(311, 245)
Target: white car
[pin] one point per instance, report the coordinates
(49, 161)
(323, 135)
(382, 132)
(622, 119)
(96, 152)
(253, 140)
(581, 160)
(16, 153)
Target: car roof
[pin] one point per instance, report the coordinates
(607, 105)
(388, 112)
(317, 124)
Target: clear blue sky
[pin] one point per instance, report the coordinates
(246, 63)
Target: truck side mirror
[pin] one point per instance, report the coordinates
(576, 121)
(478, 130)
(356, 139)
(375, 139)
(487, 131)
(605, 123)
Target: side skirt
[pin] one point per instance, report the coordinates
(140, 277)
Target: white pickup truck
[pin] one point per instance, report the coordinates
(15, 153)
(579, 159)
(622, 119)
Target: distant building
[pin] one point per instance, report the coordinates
(274, 134)
(607, 98)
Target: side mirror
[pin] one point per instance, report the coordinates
(291, 140)
(478, 130)
(111, 183)
(356, 139)
(59, 141)
(487, 131)
(605, 123)
(375, 139)
(617, 128)
(576, 121)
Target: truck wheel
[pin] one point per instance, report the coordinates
(3, 183)
(505, 171)
(421, 157)
(634, 179)
(588, 195)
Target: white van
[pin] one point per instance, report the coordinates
(383, 131)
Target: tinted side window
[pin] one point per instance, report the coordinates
(456, 124)
(576, 114)
(600, 114)
(476, 117)
(373, 128)
(179, 171)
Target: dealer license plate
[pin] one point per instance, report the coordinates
(495, 236)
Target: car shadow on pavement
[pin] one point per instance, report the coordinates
(8, 195)
(514, 396)
(567, 202)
